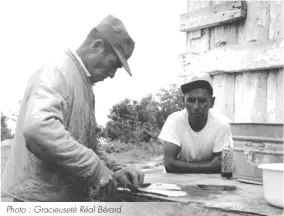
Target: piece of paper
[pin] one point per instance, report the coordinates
(169, 193)
(163, 186)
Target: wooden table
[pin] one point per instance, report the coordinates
(246, 199)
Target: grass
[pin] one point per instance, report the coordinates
(145, 155)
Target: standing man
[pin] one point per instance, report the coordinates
(193, 138)
(54, 156)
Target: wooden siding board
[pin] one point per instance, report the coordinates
(198, 44)
(238, 102)
(220, 13)
(279, 97)
(223, 35)
(241, 32)
(224, 91)
(259, 107)
(276, 19)
(197, 41)
(230, 95)
(254, 97)
(218, 91)
(271, 95)
(236, 58)
(256, 25)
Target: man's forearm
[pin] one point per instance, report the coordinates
(178, 166)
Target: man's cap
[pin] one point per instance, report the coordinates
(117, 36)
(197, 80)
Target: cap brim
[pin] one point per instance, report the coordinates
(196, 84)
(123, 61)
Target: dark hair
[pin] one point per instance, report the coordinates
(94, 34)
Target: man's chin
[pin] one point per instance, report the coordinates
(197, 118)
(97, 80)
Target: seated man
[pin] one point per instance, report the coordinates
(193, 138)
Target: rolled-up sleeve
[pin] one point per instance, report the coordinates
(171, 131)
(45, 134)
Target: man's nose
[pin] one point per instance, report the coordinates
(112, 73)
(195, 105)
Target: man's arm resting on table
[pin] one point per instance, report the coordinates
(173, 165)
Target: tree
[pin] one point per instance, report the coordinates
(170, 100)
(123, 119)
(141, 121)
(5, 131)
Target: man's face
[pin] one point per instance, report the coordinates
(197, 103)
(102, 65)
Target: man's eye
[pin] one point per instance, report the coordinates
(191, 100)
(117, 64)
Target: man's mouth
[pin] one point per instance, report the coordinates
(197, 114)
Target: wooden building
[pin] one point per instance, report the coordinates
(240, 44)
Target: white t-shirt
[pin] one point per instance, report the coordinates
(195, 146)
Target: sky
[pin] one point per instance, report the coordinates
(34, 31)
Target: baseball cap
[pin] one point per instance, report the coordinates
(117, 36)
(197, 80)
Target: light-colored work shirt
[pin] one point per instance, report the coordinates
(195, 146)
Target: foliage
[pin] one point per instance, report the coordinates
(134, 121)
(134, 153)
(5, 131)
(170, 101)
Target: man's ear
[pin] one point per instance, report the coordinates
(98, 45)
(212, 102)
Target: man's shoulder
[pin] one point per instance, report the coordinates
(61, 60)
(54, 71)
(178, 115)
(61, 65)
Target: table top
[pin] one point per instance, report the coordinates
(246, 198)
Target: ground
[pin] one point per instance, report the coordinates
(143, 155)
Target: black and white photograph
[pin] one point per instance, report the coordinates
(124, 107)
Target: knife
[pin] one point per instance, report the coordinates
(133, 188)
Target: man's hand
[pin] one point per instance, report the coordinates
(129, 175)
(106, 183)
